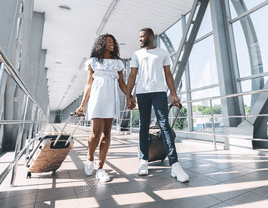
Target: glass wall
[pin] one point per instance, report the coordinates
(202, 72)
(250, 33)
(251, 51)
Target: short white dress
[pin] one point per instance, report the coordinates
(104, 99)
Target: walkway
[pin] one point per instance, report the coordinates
(217, 179)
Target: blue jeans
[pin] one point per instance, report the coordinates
(159, 101)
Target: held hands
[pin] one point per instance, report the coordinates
(176, 101)
(79, 111)
(131, 102)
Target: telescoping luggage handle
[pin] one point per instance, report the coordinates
(174, 121)
(58, 137)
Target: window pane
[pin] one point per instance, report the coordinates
(174, 34)
(250, 47)
(206, 25)
(249, 4)
(202, 120)
(212, 92)
(202, 62)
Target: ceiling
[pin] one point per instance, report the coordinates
(70, 33)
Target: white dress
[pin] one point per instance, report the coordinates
(104, 96)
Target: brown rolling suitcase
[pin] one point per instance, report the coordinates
(50, 151)
(157, 149)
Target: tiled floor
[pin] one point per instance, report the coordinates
(220, 178)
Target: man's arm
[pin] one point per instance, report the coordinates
(131, 102)
(170, 83)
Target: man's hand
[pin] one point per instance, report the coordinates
(176, 101)
(79, 111)
(131, 102)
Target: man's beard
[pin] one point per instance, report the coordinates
(146, 43)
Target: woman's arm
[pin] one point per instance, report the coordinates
(121, 82)
(87, 91)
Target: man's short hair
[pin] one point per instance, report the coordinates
(148, 30)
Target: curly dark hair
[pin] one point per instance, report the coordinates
(99, 47)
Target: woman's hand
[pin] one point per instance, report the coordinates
(79, 111)
(131, 102)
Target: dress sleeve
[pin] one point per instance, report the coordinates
(90, 62)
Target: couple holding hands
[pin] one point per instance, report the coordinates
(150, 70)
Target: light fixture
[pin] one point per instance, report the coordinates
(64, 7)
(58, 62)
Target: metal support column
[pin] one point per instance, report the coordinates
(189, 36)
(225, 65)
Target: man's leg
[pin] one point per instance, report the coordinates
(161, 110)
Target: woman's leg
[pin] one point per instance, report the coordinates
(105, 141)
(94, 138)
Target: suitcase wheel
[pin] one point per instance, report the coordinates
(29, 175)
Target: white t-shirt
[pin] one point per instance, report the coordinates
(150, 64)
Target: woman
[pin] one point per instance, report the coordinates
(101, 92)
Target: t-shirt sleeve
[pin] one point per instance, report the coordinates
(134, 61)
(166, 59)
(121, 66)
(90, 62)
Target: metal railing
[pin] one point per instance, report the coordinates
(212, 116)
(39, 118)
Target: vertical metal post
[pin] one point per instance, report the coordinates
(117, 126)
(37, 122)
(30, 132)
(130, 123)
(188, 84)
(19, 137)
(3, 79)
(213, 126)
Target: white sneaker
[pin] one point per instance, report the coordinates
(89, 167)
(102, 175)
(143, 169)
(177, 171)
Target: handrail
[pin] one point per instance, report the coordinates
(221, 116)
(41, 117)
(6, 122)
(13, 163)
(13, 74)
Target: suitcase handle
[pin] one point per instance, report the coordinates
(170, 106)
(58, 137)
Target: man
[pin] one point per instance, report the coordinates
(152, 65)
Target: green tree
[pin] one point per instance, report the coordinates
(247, 110)
(206, 109)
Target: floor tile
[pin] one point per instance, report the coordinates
(197, 202)
(262, 191)
(248, 200)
